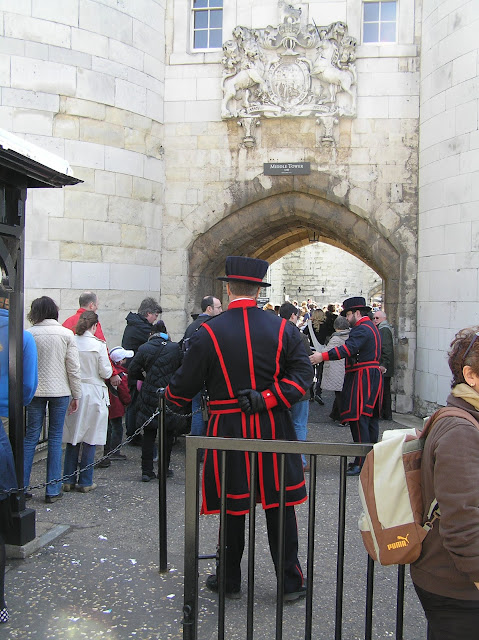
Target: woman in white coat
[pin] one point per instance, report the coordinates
(88, 426)
(333, 371)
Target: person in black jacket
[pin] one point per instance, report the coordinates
(154, 364)
(137, 331)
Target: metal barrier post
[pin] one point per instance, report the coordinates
(400, 602)
(281, 540)
(162, 465)
(190, 606)
(253, 457)
(338, 630)
(368, 632)
(310, 564)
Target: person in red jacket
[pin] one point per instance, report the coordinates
(88, 301)
(119, 399)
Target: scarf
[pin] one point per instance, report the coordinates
(467, 393)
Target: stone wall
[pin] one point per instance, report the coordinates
(361, 194)
(85, 80)
(448, 266)
(319, 266)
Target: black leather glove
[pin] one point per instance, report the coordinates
(251, 401)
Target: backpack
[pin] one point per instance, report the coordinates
(392, 524)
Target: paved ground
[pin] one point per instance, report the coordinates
(100, 578)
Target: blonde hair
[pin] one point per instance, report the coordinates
(317, 319)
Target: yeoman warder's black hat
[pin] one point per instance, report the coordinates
(249, 270)
(354, 304)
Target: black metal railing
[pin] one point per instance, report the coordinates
(191, 555)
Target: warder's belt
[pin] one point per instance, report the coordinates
(360, 366)
(223, 406)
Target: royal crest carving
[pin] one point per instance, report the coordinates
(293, 69)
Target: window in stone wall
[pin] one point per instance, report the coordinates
(379, 22)
(207, 24)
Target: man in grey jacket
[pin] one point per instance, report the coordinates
(386, 364)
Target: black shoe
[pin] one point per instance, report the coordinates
(104, 464)
(170, 473)
(118, 456)
(292, 596)
(52, 499)
(319, 400)
(354, 470)
(212, 584)
(28, 495)
(136, 441)
(146, 476)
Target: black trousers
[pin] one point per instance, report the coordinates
(235, 540)
(386, 411)
(365, 430)
(449, 618)
(148, 445)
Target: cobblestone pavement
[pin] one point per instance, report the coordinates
(100, 579)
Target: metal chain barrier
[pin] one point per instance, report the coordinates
(105, 457)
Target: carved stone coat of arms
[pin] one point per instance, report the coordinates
(293, 69)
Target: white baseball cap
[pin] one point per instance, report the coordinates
(118, 353)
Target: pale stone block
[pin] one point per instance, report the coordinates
(81, 252)
(118, 255)
(439, 170)
(123, 185)
(88, 275)
(130, 96)
(437, 129)
(431, 242)
(150, 12)
(464, 67)
(145, 38)
(153, 239)
(466, 118)
(155, 279)
(457, 189)
(60, 11)
(177, 90)
(422, 359)
(475, 229)
(46, 202)
(29, 99)
(433, 107)
(469, 161)
(36, 50)
(102, 133)
(101, 232)
(373, 107)
(202, 110)
(123, 161)
(68, 56)
(94, 86)
(462, 93)
(130, 277)
(463, 314)
(50, 274)
(48, 77)
(105, 182)
(4, 70)
(85, 154)
(404, 107)
(109, 67)
(147, 258)
(16, 6)
(27, 28)
(39, 249)
(88, 42)
(126, 55)
(153, 169)
(142, 189)
(155, 106)
(209, 89)
(105, 20)
(438, 217)
(88, 177)
(434, 314)
(89, 206)
(154, 67)
(388, 84)
(174, 112)
(36, 122)
(83, 108)
(65, 229)
(460, 286)
(65, 126)
(125, 210)
(133, 236)
(426, 386)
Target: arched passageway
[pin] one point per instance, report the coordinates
(270, 221)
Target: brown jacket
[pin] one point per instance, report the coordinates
(449, 562)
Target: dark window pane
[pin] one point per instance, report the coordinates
(371, 32)
(216, 19)
(198, 4)
(216, 3)
(216, 38)
(388, 32)
(201, 20)
(388, 11)
(371, 11)
(200, 40)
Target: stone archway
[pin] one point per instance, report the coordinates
(270, 220)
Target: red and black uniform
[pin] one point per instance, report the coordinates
(362, 389)
(245, 348)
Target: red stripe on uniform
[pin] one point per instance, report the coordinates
(249, 349)
(220, 358)
(276, 373)
(295, 384)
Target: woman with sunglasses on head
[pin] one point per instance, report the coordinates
(446, 575)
